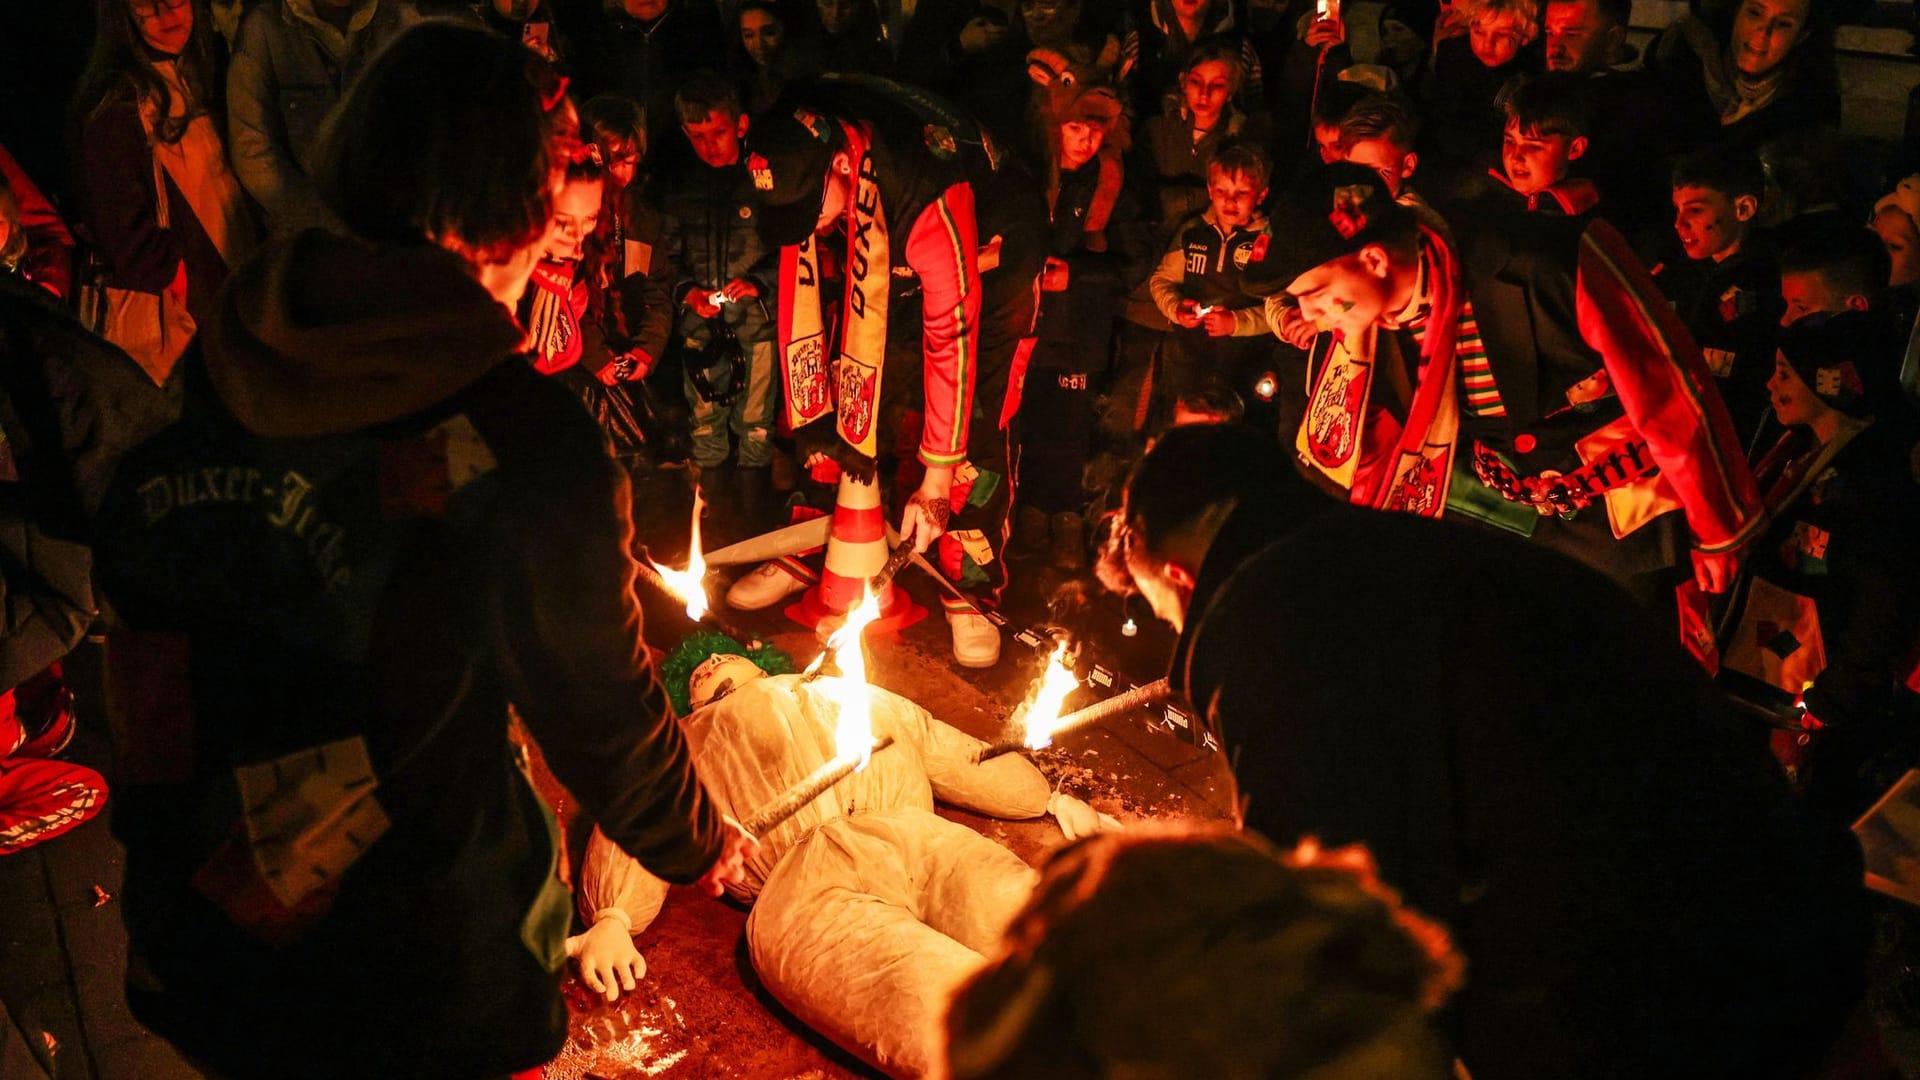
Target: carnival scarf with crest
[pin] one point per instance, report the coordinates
(852, 387)
(1378, 462)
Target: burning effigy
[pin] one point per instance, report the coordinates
(868, 908)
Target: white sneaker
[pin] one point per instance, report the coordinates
(976, 641)
(767, 584)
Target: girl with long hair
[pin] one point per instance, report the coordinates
(165, 211)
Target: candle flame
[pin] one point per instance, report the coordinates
(1049, 698)
(688, 584)
(853, 729)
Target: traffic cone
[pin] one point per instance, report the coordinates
(856, 550)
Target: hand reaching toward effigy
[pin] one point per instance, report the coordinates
(609, 961)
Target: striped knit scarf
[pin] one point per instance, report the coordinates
(854, 380)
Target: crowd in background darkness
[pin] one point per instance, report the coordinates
(1644, 306)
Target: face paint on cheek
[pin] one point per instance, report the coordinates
(1345, 306)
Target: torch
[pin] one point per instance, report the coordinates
(853, 739)
(687, 586)
(1119, 704)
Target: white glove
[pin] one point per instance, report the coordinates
(609, 962)
(1076, 818)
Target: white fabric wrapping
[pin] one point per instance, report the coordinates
(868, 926)
(870, 908)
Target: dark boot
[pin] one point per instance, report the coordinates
(751, 493)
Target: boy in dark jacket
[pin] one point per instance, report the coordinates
(1831, 612)
(1545, 135)
(1725, 283)
(723, 283)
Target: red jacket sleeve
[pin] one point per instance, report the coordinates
(942, 248)
(1666, 391)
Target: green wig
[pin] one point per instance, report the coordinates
(694, 650)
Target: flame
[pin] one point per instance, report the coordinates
(688, 584)
(1043, 713)
(853, 729)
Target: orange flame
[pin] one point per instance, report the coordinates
(1049, 698)
(853, 730)
(688, 584)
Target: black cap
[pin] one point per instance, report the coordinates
(1850, 360)
(1333, 210)
(789, 149)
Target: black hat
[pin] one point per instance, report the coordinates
(789, 149)
(1332, 210)
(1850, 359)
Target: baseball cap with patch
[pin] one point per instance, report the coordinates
(789, 149)
(1333, 210)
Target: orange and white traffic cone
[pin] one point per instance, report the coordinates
(856, 550)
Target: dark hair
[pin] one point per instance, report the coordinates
(1379, 115)
(608, 116)
(1811, 168)
(703, 92)
(1212, 396)
(452, 132)
(1335, 100)
(1730, 170)
(1415, 16)
(1852, 259)
(766, 6)
(1241, 158)
(1547, 103)
(1222, 49)
(121, 61)
(1122, 952)
(1197, 467)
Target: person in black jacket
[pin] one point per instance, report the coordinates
(1830, 614)
(1725, 280)
(373, 529)
(70, 405)
(1525, 756)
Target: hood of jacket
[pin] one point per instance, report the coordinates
(323, 334)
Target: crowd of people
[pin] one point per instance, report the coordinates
(1434, 376)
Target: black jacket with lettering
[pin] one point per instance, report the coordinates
(373, 530)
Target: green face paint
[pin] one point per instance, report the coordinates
(1344, 305)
